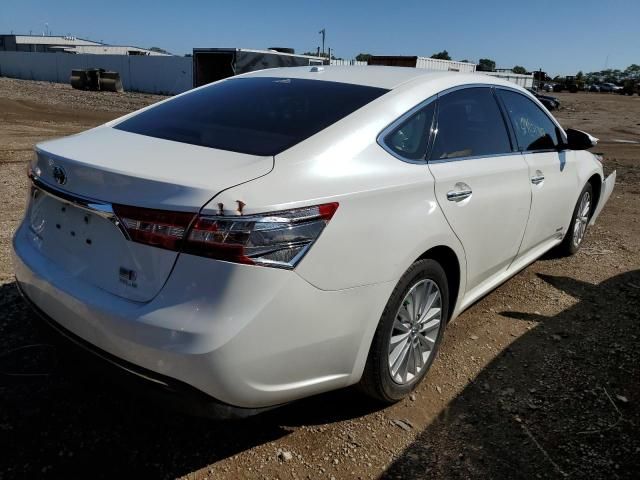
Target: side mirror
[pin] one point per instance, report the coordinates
(579, 140)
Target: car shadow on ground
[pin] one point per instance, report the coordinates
(561, 401)
(548, 406)
(56, 420)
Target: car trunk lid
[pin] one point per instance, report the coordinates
(78, 179)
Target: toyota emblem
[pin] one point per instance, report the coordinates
(59, 175)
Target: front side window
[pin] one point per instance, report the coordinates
(409, 140)
(533, 128)
(258, 116)
(469, 124)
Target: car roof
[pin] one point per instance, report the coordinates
(373, 75)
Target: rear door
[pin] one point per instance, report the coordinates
(482, 182)
(552, 173)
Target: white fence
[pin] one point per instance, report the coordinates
(150, 74)
(165, 74)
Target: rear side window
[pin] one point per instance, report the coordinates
(258, 116)
(469, 124)
(409, 140)
(533, 128)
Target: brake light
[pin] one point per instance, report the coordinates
(158, 228)
(275, 239)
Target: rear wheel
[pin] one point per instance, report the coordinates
(408, 334)
(579, 222)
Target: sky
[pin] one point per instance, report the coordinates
(560, 36)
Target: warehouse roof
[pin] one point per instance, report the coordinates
(53, 40)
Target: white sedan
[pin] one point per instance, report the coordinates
(292, 231)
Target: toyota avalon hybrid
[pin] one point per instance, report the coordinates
(292, 231)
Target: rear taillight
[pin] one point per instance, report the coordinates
(278, 239)
(275, 239)
(159, 228)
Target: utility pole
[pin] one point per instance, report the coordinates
(540, 79)
(323, 33)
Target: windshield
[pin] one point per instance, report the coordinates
(258, 116)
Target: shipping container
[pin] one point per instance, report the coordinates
(343, 62)
(523, 80)
(213, 64)
(422, 62)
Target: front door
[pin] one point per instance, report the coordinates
(552, 174)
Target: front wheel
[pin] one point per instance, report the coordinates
(579, 222)
(409, 333)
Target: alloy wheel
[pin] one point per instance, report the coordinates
(415, 331)
(582, 219)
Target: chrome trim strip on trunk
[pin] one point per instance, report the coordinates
(96, 207)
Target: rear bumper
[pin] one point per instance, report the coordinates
(250, 337)
(169, 390)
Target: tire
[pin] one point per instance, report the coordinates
(387, 381)
(575, 235)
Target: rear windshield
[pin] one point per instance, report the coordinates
(258, 116)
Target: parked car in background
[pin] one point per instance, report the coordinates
(552, 103)
(607, 87)
(594, 88)
(291, 231)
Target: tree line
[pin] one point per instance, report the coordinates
(609, 75)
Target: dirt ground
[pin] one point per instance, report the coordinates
(539, 379)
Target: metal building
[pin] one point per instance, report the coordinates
(37, 43)
(112, 50)
(66, 44)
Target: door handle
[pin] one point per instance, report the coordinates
(538, 178)
(462, 191)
